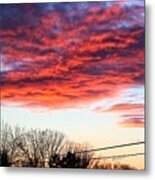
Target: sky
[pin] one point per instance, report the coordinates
(75, 67)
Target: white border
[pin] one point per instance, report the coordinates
(149, 173)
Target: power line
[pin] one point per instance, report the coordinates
(112, 147)
(118, 156)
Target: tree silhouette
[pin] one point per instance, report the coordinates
(8, 145)
(39, 147)
(74, 157)
(46, 148)
(109, 165)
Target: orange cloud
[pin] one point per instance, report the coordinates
(121, 107)
(132, 123)
(130, 115)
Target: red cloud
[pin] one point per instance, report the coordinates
(131, 115)
(62, 58)
(132, 123)
(121, 108)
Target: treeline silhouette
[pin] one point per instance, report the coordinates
(46, 148)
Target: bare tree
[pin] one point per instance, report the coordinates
(56, 146)
(8, 145)
(76, 156)
(39, 147)
(98, 164)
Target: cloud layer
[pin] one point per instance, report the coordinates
(132, 123)
(131, 114)
(59, 55)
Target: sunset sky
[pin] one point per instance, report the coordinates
(77, 68)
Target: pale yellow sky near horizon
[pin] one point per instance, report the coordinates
(82, 126)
